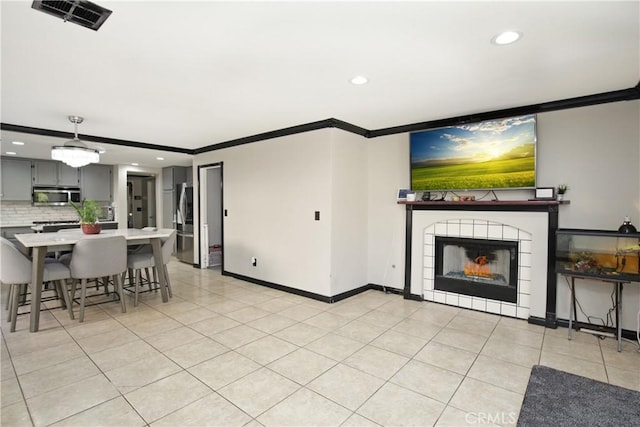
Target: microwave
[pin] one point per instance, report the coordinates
(55, 196)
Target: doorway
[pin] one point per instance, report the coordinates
(141, 201)
(211, 224)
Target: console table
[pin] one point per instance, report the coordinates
(599, 255)
(573, 315)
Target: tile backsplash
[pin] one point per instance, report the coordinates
(23, 213)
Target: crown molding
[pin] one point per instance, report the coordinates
(628, 94)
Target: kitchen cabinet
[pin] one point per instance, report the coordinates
(55, 174)
(15, 179)
(95, 182)
(173, 176)
(189, 177)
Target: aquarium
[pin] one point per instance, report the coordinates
(607, 255)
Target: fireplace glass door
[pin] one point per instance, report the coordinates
(477, 267)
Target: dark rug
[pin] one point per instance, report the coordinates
(556, 398)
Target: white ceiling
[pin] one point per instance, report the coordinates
(192, 74)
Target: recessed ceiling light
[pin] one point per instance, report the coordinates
(159, 158)
(11, 153)
(359, 80)
(134, 164)
(18, 143)
(506, 37)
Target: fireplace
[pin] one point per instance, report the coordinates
(477, 267)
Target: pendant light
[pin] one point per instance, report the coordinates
(75, 153)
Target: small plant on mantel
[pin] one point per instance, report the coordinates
(562, 188)
(89, 211)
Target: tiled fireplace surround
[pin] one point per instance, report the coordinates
(529, 229)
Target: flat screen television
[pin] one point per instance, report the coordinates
(488, 155)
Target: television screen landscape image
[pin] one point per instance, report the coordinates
(491, 155)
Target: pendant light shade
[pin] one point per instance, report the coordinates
(75, 153)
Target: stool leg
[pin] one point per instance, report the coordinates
(119, 284)
(146, 273)
(83, 296)
(156, 285)
(137, 278)
(166, 277)
(8, 303)
(106, 284)
(72, 294)
(14, 308)
(23, 293)
(9, 299)
(67, 300)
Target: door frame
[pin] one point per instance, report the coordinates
(203, 207)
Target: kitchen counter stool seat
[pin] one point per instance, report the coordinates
(97, 257)
(137, 261)
(16, 271)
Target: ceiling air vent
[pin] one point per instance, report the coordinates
(79, 12)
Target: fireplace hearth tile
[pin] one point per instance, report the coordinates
(465, 301)
(510, 233)
(524, 273)
(493, 307)
(466, 230)
(522, 313)
(479, 304)
(495, 232)
(453, 228)
(525, 259)
(452, 299)
(480, 231)
(428, 272)
(428, 261)
(508, 309)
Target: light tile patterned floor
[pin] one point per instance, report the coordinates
(229, 353)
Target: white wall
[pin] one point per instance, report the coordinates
(596, 151)
(348, 212)
(387, 171)
(271, 190)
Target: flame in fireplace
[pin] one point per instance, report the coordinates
(479, 267)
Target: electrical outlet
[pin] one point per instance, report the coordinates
(254, 261)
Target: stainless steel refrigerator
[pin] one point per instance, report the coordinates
(184, 223)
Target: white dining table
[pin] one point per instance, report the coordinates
(41, 243)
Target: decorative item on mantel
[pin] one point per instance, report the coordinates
(89, 211)
(562, 188)
(627, 227)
